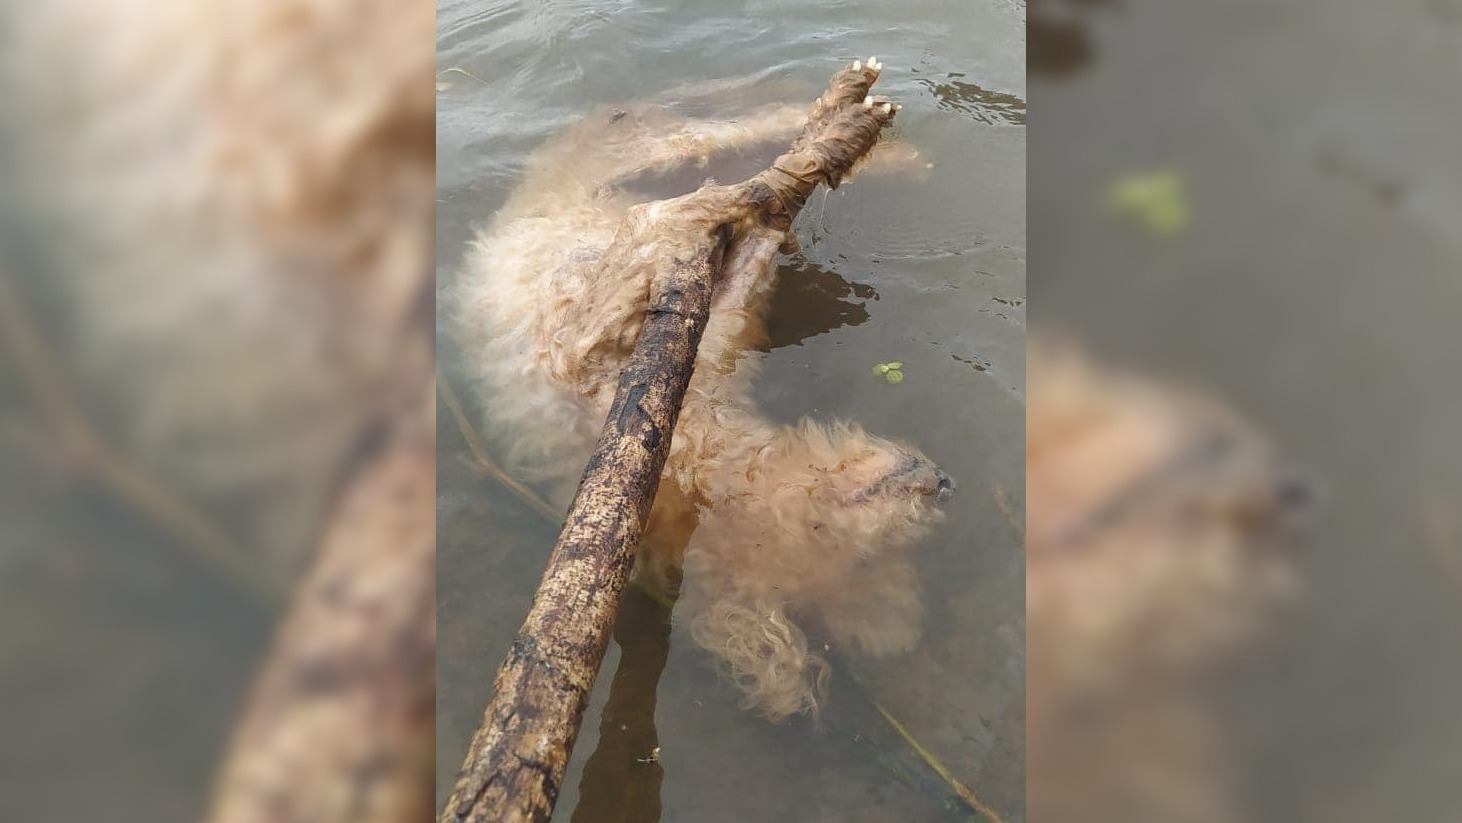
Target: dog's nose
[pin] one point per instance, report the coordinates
(946, 486)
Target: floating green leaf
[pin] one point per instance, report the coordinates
(1158, 200)
(890, 371)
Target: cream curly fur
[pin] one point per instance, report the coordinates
(790, 523)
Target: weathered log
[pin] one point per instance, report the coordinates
(339, 727)
(516, 760)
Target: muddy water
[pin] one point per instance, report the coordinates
(925, 268)
(1318, 288)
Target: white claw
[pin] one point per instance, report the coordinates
(887, 107)
(857, 65)
(874, 64)
(868, 102)
(897, 106)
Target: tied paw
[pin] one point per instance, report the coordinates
(855, 121)
(848, 88)
(842, 138)
(858, 77)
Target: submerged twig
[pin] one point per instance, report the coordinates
(961, 790)
(485, 462)
(131, 483)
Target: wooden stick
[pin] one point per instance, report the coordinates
(516, 760)
(339, 726)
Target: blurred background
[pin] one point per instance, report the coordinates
(215, 314)
(1265, 199)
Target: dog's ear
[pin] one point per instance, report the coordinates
(764, 653)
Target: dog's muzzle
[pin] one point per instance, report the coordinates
(914, 478)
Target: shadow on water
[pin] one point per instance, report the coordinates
(992, 108)
(811, 300)
(622, 778)
(1057, 41)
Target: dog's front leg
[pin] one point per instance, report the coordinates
(760, 648)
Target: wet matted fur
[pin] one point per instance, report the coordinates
(768, 525)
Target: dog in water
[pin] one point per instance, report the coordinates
(769, 527)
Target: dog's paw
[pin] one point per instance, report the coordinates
(850, 86)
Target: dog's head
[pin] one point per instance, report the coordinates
(888, 481)
(796, 530)
(851, 495)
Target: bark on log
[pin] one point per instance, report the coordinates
(516, 760)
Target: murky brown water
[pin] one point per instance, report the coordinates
(927, 271)
(1319, 287)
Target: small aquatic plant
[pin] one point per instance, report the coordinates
(891, 371)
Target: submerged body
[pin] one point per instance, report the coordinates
(768, 525)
